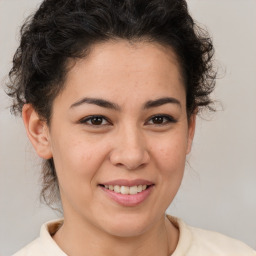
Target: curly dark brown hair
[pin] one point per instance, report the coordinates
(61, 30)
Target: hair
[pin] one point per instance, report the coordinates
(62, 30)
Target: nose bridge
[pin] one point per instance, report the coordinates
(132, 136)
(130, 148)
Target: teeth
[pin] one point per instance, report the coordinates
(126, 190)
(117, 189)
(133, 190)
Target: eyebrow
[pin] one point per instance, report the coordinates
(110, 105)
(160, 102)
(96, 101)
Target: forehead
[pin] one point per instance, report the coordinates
(122, 69)
(129, 55)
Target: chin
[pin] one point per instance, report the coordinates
(128, 225)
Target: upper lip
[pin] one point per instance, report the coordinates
(128, 183)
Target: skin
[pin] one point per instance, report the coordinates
(127, 143)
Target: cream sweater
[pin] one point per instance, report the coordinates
(192, 242)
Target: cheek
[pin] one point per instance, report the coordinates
(74, 150)
(76, 160)
(170, 154)
(77, 164)
(170, 157)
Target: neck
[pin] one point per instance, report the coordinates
(78, 238)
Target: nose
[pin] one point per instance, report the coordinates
(130, 150)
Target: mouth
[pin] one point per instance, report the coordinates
(128, 193)
(126, 190)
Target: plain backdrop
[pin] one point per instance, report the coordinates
(219, 188)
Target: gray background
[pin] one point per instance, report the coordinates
(219, 188)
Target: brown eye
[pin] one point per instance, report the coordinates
(158, 119)
(95, 121)
(161, 120)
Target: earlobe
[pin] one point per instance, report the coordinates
(191, 131)
(37, 131)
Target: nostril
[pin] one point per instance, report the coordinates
(129, 157)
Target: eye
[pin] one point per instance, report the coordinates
(161, 120)
(95, 120)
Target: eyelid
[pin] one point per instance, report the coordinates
(170, 119)
(84, 120)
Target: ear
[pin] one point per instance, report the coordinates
(37, 131)
(191, 131)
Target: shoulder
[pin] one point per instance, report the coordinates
(33, 248)
(196, 242)
(44, 245)
(218, 244)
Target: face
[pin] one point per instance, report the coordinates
(120, 123)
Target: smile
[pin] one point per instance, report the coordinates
(128, 193)
(125, 190)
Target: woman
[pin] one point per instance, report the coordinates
(109, 92)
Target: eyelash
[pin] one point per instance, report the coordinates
(89, 120)
(168, 119)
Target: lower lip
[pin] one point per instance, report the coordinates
(128, 200)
